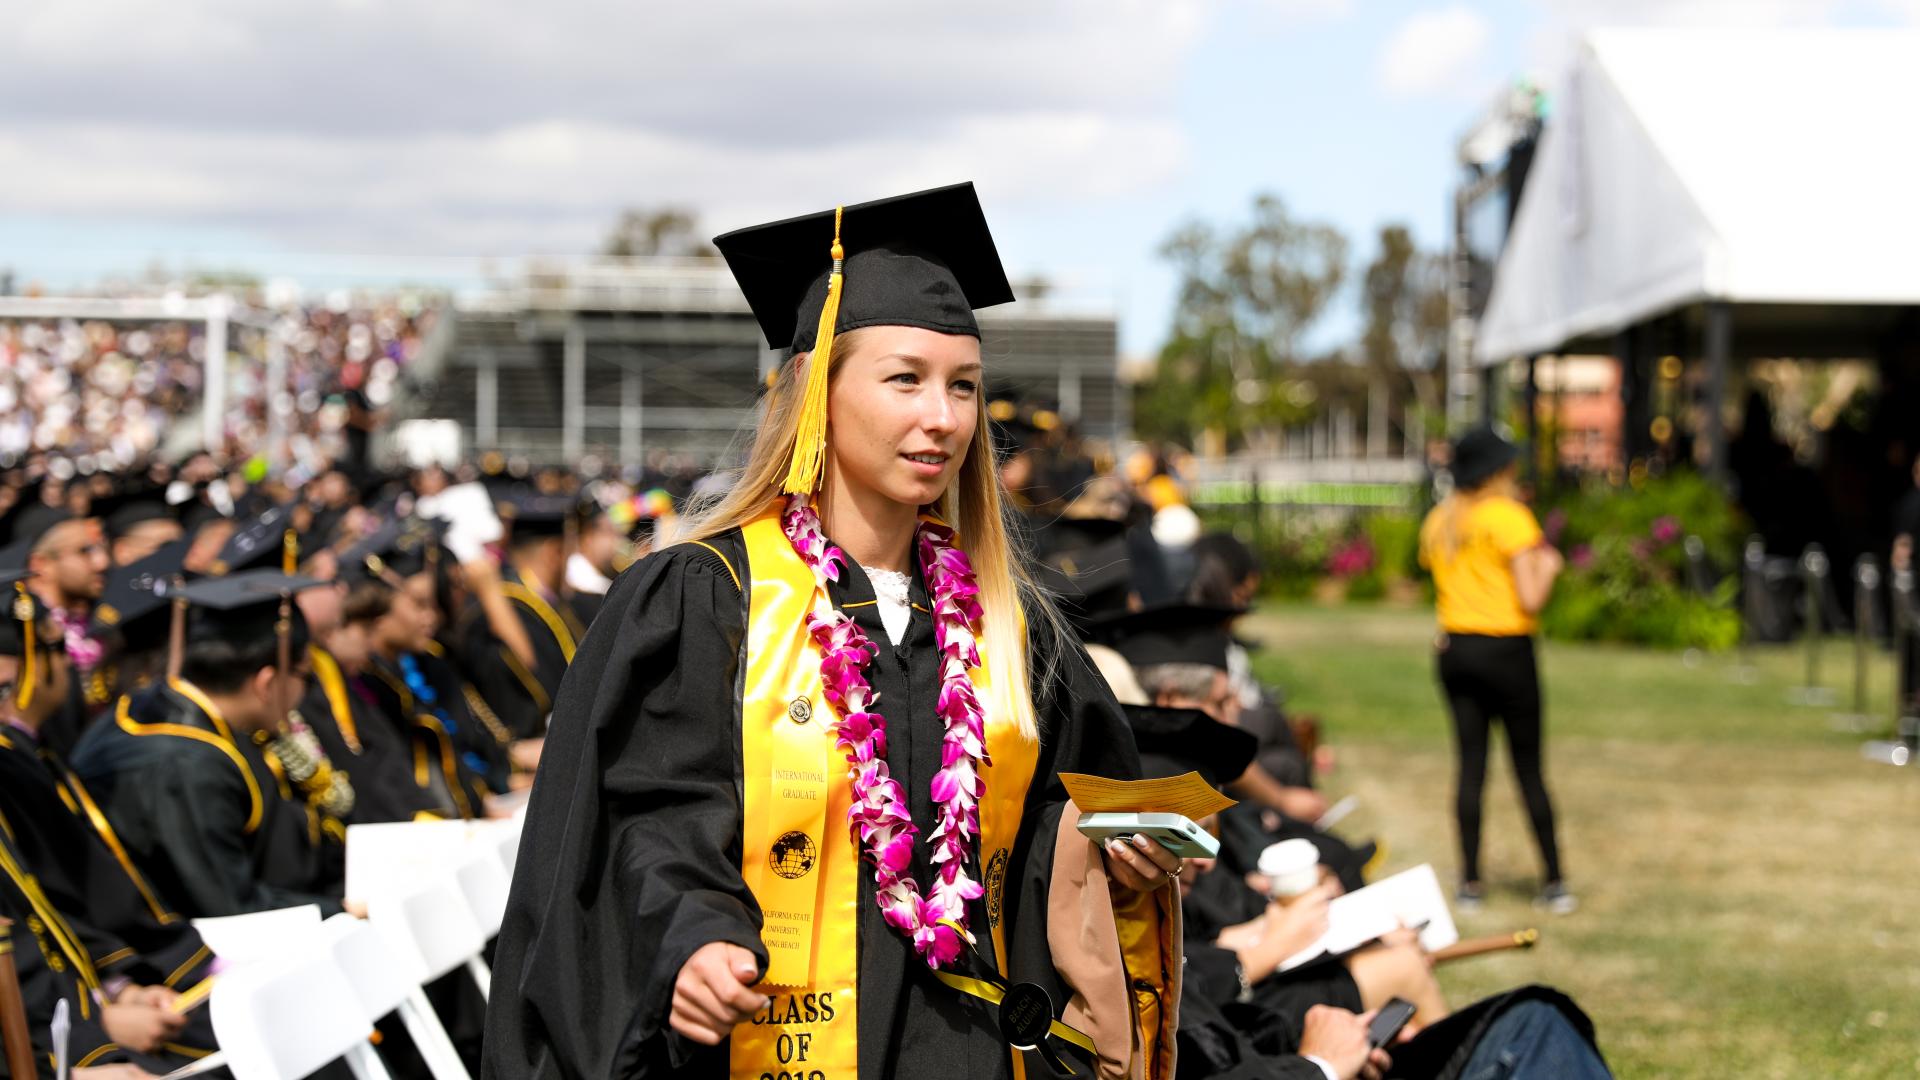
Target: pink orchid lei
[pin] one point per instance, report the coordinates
(937, 922)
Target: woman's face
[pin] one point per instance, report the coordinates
(901, 412)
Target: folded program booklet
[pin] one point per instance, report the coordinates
(1409, 898)
(1187, 794)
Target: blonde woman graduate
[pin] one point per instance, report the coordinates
(799, 813)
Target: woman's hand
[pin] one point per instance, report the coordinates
(1142, 865)
(714, 992)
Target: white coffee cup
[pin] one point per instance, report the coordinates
(1291, 867)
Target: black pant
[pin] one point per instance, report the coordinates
(1487, 679)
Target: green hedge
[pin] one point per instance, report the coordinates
(1627, 578)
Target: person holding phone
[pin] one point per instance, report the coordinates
(1493, 571)
(802, 764)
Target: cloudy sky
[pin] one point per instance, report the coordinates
(335, 139)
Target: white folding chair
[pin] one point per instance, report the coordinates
(431, 931)
(282, 1020)
(483, 885)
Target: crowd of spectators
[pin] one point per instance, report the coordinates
(105, 393)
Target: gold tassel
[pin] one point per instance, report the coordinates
(810, 438)
(23, 610)
(289, 552)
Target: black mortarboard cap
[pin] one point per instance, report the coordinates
(20, 607)
(925, 259)
(1177, 741)
(256, 543)
(242, 606)
(1173, 634)
(33, 522)
(536, 515)
(135, 601)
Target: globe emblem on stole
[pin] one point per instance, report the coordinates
(996, 885)
(793, 855)
(800, 710)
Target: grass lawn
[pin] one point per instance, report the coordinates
(1750, 886)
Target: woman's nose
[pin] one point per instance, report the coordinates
(940, 417)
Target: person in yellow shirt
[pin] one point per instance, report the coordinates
(1493, 571)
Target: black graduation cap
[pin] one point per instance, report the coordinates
(536, 515)
(22, 608)
(1177, 741)
(404, 546)
(925, 259)
(256, 543)
(135, 504)
(1173, 634)
(242, 606)
(136, 598)
(33, 522)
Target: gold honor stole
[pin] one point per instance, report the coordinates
(800, 856)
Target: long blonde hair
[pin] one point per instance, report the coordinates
(974, 504)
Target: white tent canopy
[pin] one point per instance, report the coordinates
(1681, 166)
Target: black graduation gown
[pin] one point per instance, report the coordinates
(119, 917)
(482, 738)
(377, 758)
(630, 859)
(48, 976)
(181, 805)
(522, 698)
(437, 764)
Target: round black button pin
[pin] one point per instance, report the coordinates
(1025, 1015)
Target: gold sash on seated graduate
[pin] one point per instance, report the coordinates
(798, 854)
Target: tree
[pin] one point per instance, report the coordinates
(1246, 299)
(1404, 300)
(670, 231)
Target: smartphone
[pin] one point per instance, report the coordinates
(1176, 832)
(1388, 1021)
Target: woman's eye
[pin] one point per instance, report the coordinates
(965, 386)
(905, 378)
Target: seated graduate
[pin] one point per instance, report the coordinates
(124, 1037)
(1303, 1025)
(394, 629)
(532, 581)
(594, 562)
(133, 618)
(793, 784)
(191, 772)
(1226, 575)
(66, 556)
(360, 742)
(1179, 656)
(138, 523)
(140, 948)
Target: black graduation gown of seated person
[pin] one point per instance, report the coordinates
(181, 806)
(480, 735)
(437, 763)
(367, 746)
(117, 915)
(49, 973)
(630, 859)
(521, 698)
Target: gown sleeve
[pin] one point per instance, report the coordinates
(630, 858)
(198, 810)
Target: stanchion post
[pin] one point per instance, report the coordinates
(1753, 584)
(1866, 582)
(1814, 569)
(1900, 608)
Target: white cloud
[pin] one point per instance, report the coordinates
(1435, 52)
(495, 125)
